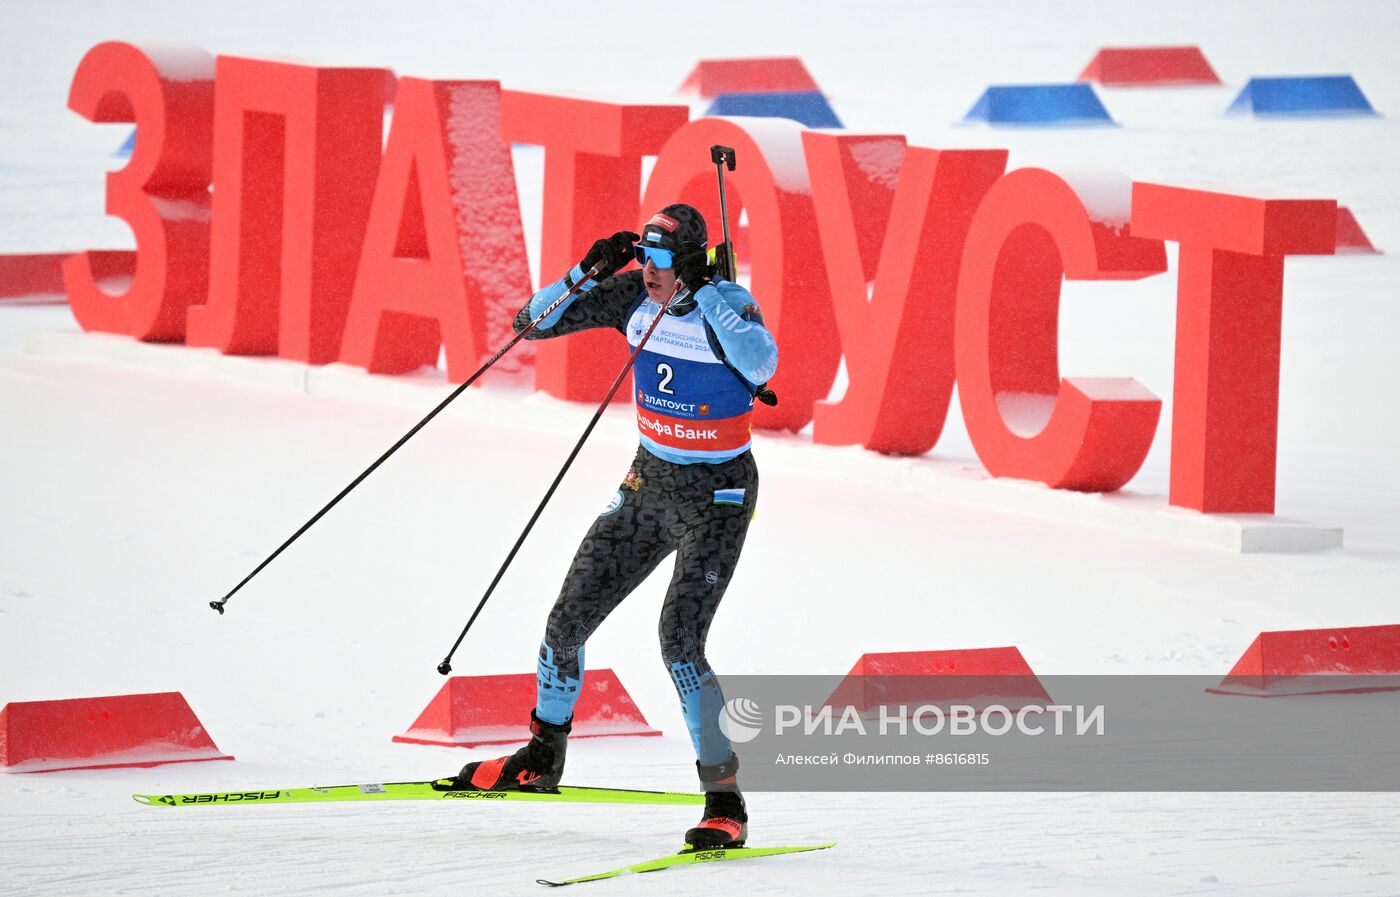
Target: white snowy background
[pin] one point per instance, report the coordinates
(131, 497)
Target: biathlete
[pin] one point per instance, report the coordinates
(691, 490)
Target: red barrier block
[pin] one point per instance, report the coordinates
(979, 676)
(1006, 661)
(772, 74)
(592, 188)
(1229, 322)
(443, 263)
(919, 202)
(296, 152)
(1350, 237)
(1135, 66)
(471, 711)
(162, 193)
(789, 274)
(102, 733)
(1033, 230)
(28, 275)
(1274, 661)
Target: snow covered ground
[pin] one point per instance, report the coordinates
(130, 498)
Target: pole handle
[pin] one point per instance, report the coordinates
(723, 156)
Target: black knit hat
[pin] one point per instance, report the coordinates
(675, 227)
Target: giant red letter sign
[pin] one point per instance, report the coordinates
(894, 406)
(1079, 433)
(162, 193)
(789, 276)
(444, 255)
(296, 150)
(1229, 314)
(592, 187)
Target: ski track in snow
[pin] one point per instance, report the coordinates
(130, 498)
(1149, 844)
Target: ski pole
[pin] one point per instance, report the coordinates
(723, 156)
(446, 666)
(219, 604)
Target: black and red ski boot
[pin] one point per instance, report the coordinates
(725, 823)
(538, 766)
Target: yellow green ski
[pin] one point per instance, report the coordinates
(438, 790)
(690, 857)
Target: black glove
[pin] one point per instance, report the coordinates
(693, 268)
(612, 252)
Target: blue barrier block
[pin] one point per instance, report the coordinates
(1313, 95)
(808, 107)
(128, 146)
(1040, 104)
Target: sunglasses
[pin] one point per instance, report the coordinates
(661, 258)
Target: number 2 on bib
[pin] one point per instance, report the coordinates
(666, 373)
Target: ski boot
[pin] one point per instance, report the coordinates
(538, 766)
(725, 823)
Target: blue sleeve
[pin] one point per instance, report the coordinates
(738, 325)
(542, 300)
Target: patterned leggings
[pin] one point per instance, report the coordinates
(699, 511)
